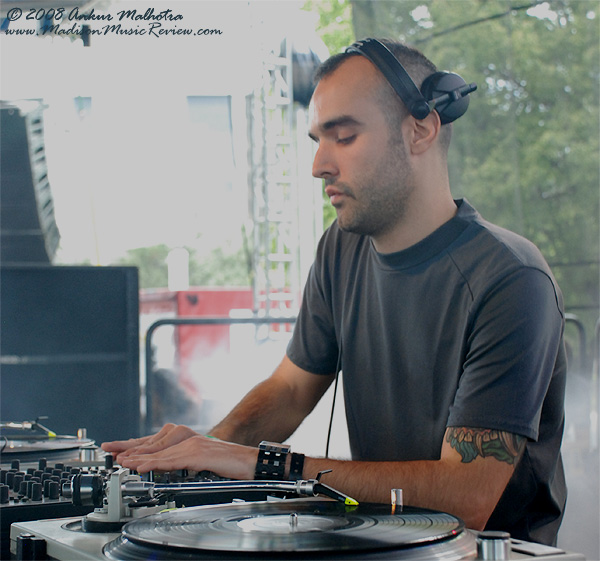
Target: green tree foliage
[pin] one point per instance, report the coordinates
(335, 22)
(219, 268)
(526, 152)
(152, 265)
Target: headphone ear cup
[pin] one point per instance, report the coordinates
(445, 84)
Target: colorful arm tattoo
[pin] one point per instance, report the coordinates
(470, 443)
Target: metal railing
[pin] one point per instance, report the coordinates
(582, 355)
(149, 355)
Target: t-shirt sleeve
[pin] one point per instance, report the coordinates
(313, 346)
(510, 356)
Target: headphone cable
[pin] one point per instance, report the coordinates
(338, 369)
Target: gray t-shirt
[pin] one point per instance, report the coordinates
(462, 329)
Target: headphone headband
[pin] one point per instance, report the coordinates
(445, 92)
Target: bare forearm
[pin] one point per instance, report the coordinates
(440, 485)
(259, 416)
(274, 409)
(474, 468)
(467, 481)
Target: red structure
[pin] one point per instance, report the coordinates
(191, 341)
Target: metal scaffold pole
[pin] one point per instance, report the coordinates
(274, 187)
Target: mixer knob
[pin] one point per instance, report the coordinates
(64, 482)
(10, 478)
(30, 488)
(19, 477)
(22, 489)
(36, 491)
(53, 490)
(4, 494)
(109, 461)
(42, 463)
(16, 465)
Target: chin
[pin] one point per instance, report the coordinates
(352, 228)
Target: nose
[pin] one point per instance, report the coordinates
(324, 164)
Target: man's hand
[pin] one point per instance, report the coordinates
(271, 411)
(168, 436)
(192, 452)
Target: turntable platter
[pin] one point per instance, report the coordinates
(297, 527)
(43, 444)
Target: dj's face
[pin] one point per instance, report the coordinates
(366, 169)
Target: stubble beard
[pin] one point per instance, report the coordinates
(382, 201)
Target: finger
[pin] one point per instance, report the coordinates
(187, 454)
(144, 464)
(132, 443)
(123, 448)
(199, 453)
(169, 435)
(147, 448)
(121, 445)
(160, 461)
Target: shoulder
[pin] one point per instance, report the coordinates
(490, 252)
(489, 256)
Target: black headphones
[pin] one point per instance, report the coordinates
(445, 92)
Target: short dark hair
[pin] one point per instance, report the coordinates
(416, 64)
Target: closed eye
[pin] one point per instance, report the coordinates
(346, 139)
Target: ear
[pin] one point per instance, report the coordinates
(422, 134)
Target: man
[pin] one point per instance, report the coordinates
(448, 331)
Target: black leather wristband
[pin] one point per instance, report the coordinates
(296, 467)
(271, 461)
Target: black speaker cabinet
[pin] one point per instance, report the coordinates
(28, 231)
(69, 344)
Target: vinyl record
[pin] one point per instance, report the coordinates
(297, 526)
(37, 444)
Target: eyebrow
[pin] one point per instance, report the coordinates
(341, 121)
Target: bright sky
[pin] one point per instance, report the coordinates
(134, 171)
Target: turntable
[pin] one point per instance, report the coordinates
(30, 455)
(29, 440)
(295, 528)
(298, 520)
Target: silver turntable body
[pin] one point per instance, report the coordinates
(65, 540)
(136, 519)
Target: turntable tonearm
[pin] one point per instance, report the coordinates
(122, 496)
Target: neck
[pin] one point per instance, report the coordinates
(423, 216)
